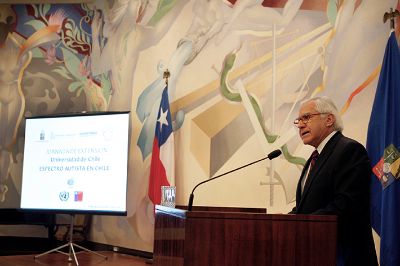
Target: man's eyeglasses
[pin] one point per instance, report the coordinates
(306, 118)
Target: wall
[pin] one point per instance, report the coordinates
(110, 55)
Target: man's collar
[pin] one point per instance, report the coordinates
(323, 143)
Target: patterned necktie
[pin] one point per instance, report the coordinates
(314, 157)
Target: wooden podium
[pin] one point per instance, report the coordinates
(242, 236)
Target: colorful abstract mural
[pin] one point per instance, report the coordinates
(239, 70)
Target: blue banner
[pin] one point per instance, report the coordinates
(383, 145)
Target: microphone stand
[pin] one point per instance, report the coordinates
(191, 197)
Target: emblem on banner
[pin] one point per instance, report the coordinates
(388, 168)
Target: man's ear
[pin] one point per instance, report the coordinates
(330, 120)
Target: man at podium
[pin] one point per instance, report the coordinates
(336, 180)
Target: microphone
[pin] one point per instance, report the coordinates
(270, 156)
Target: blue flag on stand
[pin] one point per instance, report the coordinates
(383, 145)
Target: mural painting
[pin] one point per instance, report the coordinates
(239, 70)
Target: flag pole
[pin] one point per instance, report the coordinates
(166, 75)
(391, 15)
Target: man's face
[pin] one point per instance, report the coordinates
(314, 127)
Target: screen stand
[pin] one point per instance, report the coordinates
(71, 245)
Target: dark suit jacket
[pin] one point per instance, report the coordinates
(339, 184)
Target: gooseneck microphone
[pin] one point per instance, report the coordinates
(270, 156)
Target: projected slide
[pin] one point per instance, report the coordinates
(76, 163)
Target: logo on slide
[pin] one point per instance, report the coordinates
(42, 135)
(78, 195)
(64, 195)
(70, 182)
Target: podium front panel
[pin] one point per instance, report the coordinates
(242, 238)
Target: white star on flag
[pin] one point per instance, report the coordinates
(163, 118)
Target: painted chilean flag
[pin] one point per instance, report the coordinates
(162, 172)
